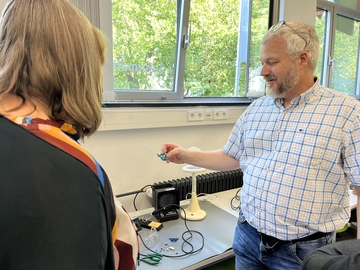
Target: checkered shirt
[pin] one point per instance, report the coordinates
(298, 162)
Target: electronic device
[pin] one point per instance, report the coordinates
(137, 223)
(163, 156)
(150, 224)
(163, 196)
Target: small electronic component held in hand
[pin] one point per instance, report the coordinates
(162, 156)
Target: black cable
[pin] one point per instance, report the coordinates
(127, 193)
(137, 193)
(186, 241)
(236, 197)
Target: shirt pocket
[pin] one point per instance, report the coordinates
(307, 146)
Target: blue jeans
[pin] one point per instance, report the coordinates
(251, 254)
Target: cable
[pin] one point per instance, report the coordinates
(186, 241)
(137, 193)
(127, 193)
(237, 198)
(191, 235)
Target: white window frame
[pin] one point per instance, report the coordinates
(164, 97)
(333, 10)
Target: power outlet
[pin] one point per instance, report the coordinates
(220, 114)
(195, 115)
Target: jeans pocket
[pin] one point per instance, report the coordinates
(301, 249)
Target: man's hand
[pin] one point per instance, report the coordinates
(174, 153)
(213, 160)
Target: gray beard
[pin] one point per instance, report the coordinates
(291, 79)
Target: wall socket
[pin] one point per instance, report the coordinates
(195, 115)
(220, 114)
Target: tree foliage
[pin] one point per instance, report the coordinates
(144, 36)
(145, 45)
(344, 67)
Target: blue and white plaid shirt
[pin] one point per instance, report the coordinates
(298, 162)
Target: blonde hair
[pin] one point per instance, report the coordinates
(290, 32)
(50, 50)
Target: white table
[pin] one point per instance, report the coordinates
(215, 240)
(222, 200)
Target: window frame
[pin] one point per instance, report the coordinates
(151, 98)
(131, 98)
(333, 10)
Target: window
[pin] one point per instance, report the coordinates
(338, 30)
(321, 26)
(346, 55)
(144, 45)
(183, 50)
(206, 51)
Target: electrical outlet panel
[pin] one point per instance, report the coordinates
(195, 115)
(221, 114)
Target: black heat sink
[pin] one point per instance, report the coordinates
(207, 183)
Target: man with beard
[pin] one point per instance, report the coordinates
(297, 148)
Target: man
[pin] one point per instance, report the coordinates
(297, 147)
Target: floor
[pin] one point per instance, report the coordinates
(228, 264)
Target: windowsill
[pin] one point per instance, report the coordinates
(190, 102)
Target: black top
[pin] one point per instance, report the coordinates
(52, 207)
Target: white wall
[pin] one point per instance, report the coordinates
(2, 4)
(129, 156)
(295, 10)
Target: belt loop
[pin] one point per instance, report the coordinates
(241, 218)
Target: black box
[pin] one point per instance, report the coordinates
(163, 196)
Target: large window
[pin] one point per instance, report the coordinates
(144, 44)
(182, 49)
(207, 51)
(339, 32)
(346, 55)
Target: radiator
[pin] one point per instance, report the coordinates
(206, 183)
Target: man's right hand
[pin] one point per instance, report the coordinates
(175, 153)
